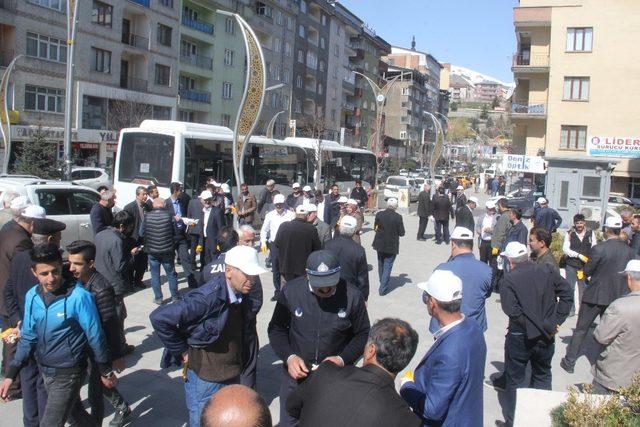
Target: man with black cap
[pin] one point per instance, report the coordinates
(21, 279)
(295, 241)
(318, 317)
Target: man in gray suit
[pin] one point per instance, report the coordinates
(605, 285)
(619, 333)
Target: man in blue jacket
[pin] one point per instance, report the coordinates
(446, 389)
(547, 218)
(475, 277)
(61, 326)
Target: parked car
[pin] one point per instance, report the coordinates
(524, 200)
(91, 177)
(397, 182)
(63, 201)
(618, 201)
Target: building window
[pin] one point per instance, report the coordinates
(161, 113)
(323, 20)
(279, 18)
(336, 50)
(189, 13)
(277, 45)
(633, 188)
(164, 35)
(187, 116)
(46, 99)
(163, 75)
(186, 83)
(312, 60)
(320, 89)
(285, 101)
(573, 138)
(226, 90)
(274, 100)
(102, 13)
(297, 106)
(302, 31)
(287, 49)
(59, 5)
(167, 3)
(333, 114)
(403, 134)
(321, 66)
(225, 120)
(579, 39)
(229, 26)
(303, 6)
(94, 112)
(101, 60)
(285, 76)
(576, 89)
(300, 56)
(591, 186)
(406, 91)
(289, 23)
(228, 58)
(299, 82)
(49, 48)
(322, 45)
(264, 9)
(278, 73)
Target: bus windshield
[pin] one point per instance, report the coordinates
(285, 165)
(346, 167)
(146, 156)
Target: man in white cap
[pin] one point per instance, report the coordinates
(296, 197)
(447, 386)
(537, 301)
(268, 233)
(296, 239)
(475, 277)
(603, 287)
(619, 332)
(464, 214)
(307, 195)
(389, 228)
(546, 217)
(351, 208)
(460, 199)
(211, 222)
(212, 356)
(323, 229)
(485, 232)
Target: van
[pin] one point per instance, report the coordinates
(397, 182)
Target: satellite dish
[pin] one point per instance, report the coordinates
(380, 98)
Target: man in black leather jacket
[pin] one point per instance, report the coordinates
(82, 255)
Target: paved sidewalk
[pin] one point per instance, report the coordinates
(157, 396)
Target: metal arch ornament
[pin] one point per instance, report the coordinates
(437, 149)
(272, 123)
(5, 122)
(252, 98)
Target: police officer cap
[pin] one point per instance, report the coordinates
(323, 269)
(47, 226)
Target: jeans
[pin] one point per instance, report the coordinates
(385, 264)
(519, 351)
(167, 263)
(198, 392)
(34, 396)
(442, 225)
(63, 391)
(98, 392)
(422, 226)
(275, 267)
(586, 316)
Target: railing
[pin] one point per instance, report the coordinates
(197, 25)
(145, 3)
(135, 84)
(528, 60)
(135, 40)
(196, 95)
(528, 108)
(8, 4)
(197, 61)
(6, 56)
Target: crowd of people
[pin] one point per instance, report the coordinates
(63, 320)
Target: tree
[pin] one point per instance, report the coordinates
(37, 156)
(453, 106)
(484, 114)
(458, 129)
(316, 127)
(128, 112)
(495, 103)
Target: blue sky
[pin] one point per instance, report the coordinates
(476, 34)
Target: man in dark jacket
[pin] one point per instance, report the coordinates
(605, 285)
(547, 218)
(464, 214)
(442, 210)
(518, 231)
(539, 243)
(360, 194)
(331, 205)
(194, 211)
(265, 198)
(425, 209)
(366, 396)
(537, 301)
(318, 318)
(177, 205)
(389, 228)
(296, 197)
(205, 329)
(459, 199)
(101, 215)
(246, 206)
(352, 257)
(81, 259)
(137, 209)
(295, 241)
(211, 224)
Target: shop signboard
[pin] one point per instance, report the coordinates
(614, 146)
(520, 163)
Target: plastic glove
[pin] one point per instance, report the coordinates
(263, 248)
(583, 258)
(495, 251)
(407, 377)
(198, 249)
(580, 275)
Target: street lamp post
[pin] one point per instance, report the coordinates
(72, 12)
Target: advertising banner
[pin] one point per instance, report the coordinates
(520, 163)
(614, 146)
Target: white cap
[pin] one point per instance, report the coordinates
(226, 188)
(472, 199)
(34, 212)
(277, 199)
(462, 233)
(514, 250)
(541, 201)
(310, 207)
(490, 204)
(392, 201)
(352, 202)
(342, 199)
(245, 259)
(349, 221)
(443, 285)
(216, 184)
(459, 187)
(306, 188)
(633, 266)
(206, 194)
(295, 185)
(613, 222)
(20, 203)
(302, 209)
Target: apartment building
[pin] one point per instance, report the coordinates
(572, 57)
(488, 90)
(125, 67)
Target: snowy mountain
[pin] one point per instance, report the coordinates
(476, 77)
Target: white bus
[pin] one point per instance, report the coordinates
(162, 151)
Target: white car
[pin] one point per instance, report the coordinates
(91, 177)
(397, 182)
(617, 201)
(63, 201)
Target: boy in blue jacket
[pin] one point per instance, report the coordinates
(60, 324)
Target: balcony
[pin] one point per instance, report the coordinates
(6, 56)
(532, 16)
(145, 3)
(197, 25)
(527, 109)
(135, 40)
(135, 84)
(8, 5)
(196, 95)
(198, 61)
(527, 63)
